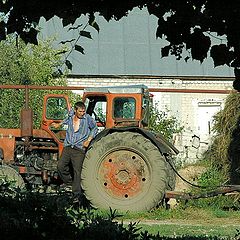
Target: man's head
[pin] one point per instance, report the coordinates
(79, 109)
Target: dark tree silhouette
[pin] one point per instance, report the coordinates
(185, 24)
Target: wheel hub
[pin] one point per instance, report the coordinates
(123, 174)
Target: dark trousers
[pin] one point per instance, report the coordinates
(75, 157)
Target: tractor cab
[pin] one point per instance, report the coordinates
(118, 106)
(111, 107)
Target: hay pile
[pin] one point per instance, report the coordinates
(224, 152)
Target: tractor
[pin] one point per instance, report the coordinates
(126, 167)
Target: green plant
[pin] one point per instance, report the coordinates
(52, 216)
(35, 216)
(162, 122)
(211, 178)
(27, 64)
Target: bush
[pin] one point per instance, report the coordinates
(27, 64)
(35, 216)
(162, 122)
(42, 216)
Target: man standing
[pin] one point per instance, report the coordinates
(81, 129)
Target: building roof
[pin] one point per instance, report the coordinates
(127, 47)
(118, 89)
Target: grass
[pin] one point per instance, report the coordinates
(191, 230)
(48, 214)
(187, 214)
(186, 220)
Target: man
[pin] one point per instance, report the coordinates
(81, 129)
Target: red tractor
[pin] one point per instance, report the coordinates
(127, 167)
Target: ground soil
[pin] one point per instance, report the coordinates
(189, 173)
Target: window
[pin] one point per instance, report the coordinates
(97, 107)
(56, 108)
(124, 108)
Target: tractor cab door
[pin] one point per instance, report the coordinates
(96, 106)
(55, 109)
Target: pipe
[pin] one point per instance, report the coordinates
(173, 90)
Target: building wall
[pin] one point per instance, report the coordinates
(194, 110)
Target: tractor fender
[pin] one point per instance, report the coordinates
(164, 146)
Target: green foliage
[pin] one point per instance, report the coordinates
(94, 226)
(26, 64)
(210, 181)
(211, 178)
(35, 216)
(220, 205)
(162, 122)
(52, 216)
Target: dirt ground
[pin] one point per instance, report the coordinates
(191, 174)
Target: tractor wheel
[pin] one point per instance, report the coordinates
(124, 171)
(9, 176)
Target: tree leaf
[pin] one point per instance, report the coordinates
(221, 55)
(165, 51)
(27, 62)
(91, 18)
(199, 44)
(30, 36)
(92, 22)
(79, 49)
(68, 64)
(186, 58)
(2, 31)
(61, 52)
(74, 28)
(67, 41)
(86, 34)
(95, 25)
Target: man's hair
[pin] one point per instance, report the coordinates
(79, 105)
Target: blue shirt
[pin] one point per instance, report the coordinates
(87, 128)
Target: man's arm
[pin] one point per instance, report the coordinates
(93, 131)
(56, 125)
(65, 121)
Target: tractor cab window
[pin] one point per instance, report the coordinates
(97, 108)
(56, 108)
(124, 107)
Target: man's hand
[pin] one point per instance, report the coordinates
(87, 142)
(55, 125)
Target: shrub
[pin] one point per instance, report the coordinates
(162, 122)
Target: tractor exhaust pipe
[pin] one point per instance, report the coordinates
(27, 119)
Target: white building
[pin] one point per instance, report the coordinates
(127, 52)
(193, 101)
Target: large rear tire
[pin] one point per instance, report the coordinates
(10, 176)
(124, 171)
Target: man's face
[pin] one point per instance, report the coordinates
(79, 112)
